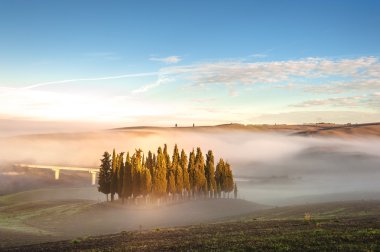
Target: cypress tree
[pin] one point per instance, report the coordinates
(120, 175)
(150, 162)
(134, 176)
(235, 191)
(229, 180)
(219, 190)
(146, 182)
(167, 157)
(113, 158)
(200, 178)
(220, 174)
(171, 183)
(136, 170)
(210, 173)
(104, 179)
(177, 169)
(191, 170)
(154, 160)
(114, 175)
(179, 179)
(159, 179)
(185, 173)
(127, 180)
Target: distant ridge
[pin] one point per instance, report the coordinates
(316, 129)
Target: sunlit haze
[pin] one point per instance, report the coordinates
(198, 125)
(159, 63)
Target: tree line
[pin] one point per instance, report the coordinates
(159, 176)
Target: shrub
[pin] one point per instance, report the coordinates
(307, 217)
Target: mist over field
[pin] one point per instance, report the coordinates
(270, 168)
(276, 105)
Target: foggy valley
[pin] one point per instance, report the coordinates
(216, 125)
(270, 168)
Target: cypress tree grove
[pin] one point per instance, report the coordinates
(151, 176)
(104, 179)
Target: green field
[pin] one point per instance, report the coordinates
(55, 214)
(355, 227)
(36, 217)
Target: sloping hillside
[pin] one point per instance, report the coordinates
(349, 226)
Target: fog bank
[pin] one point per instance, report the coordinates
(269, 167)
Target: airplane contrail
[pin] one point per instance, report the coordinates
(41, 84)
(90, 79)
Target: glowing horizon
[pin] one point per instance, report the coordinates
(316, 72)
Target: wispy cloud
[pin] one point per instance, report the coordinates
(358, 101)
(236, 72)
(92, 79)
(299, 117)
(148, 87)
(352, 101)
(336, 87)
(259, 55)
(42, 84)
(319, 77)
(167, 60)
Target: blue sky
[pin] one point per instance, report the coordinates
(160, 62)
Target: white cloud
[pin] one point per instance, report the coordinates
(148, 87)
(237, 72)
(167, 60)
(352, 101)
(358, 101)
(259, 55)
(336, 87)
(299, 117)
(336, 75)
(161, 80)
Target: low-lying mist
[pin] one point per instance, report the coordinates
(270, 168)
